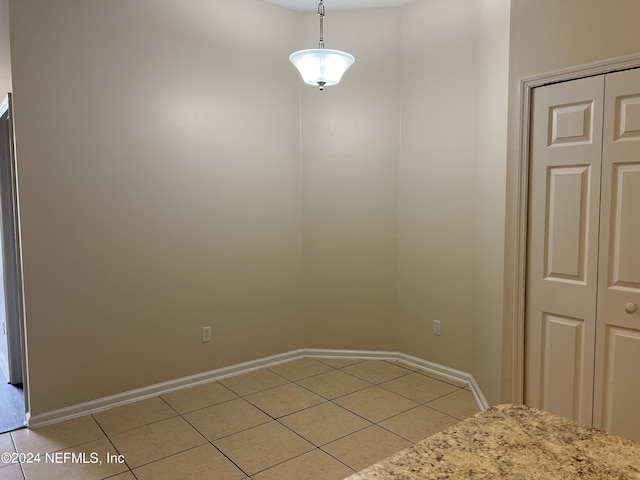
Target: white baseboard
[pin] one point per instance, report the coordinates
(131, 396)
(451, 373)
(105, 403)
(435, 368)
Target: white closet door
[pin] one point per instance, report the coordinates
(564, 201)
(617, 376)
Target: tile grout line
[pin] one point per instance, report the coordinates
(332, 401)
(113, 445)
(271, 418)
(106, 437)
(210, 442)
(277, 419)
(395, 433)
(177, 414)
(237, 397)
(378, 424)
(230, 434)
(228, 458)
(338, 460)
(15, 447)
(371, 423)
(316, 447)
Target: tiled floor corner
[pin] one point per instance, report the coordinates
(307, 419)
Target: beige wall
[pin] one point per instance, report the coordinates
(350, 146)
(5, 55)
(404, 166)
(166, 185)
(451, 202)
(546, 36)
(491, 150)
(160, 190)
(437, 169)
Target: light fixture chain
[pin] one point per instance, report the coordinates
(321, 15)
(322, 67)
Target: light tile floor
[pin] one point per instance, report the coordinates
(308, 419)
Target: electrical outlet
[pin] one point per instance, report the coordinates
(206, 334)
(436, 327)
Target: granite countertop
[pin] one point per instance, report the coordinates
(513, 442)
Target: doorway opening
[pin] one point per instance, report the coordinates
(12, 414)
(12, 404)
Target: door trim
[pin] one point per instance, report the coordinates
(516, 289)
(16, 255)
(12, 264)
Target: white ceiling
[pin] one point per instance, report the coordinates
(312, 5)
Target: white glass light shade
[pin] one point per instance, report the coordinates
(321, 66)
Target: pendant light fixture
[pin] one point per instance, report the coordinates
(320, 66)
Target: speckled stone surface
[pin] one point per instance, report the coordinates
(513, 442)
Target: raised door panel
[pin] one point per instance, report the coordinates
(624, 228)
(566, 225)
(617, 383)
(563, 345)
(564, 199)
(618, 410)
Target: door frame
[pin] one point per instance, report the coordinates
(516, 289)
(11, 271)
(16, 289)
